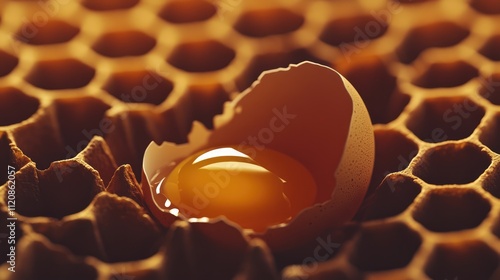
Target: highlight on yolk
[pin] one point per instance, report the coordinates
(254, 188)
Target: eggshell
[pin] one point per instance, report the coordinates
(307, 111)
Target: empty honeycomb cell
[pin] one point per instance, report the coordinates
(439, 34)
(266, 22)
(60, 74)
(489, 7)
(383, 247)
(462, 260)
(139, 87)
(109, 5)
(15, 106)
(491, 136)
(450, 164)
(492, 183)
(394, 195)
(451, 209)
(490, 88)
(441, 119)
(187, 11)
(124, 43)
(8, 63)
(52, 32)
(491, 47)
(355, 30)
(377, 87)
(446, 75)
(207, 101)
(201, 56)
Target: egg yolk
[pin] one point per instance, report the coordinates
(254, 188)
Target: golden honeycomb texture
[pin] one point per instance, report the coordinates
(86, 85)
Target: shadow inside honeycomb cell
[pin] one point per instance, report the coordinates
(353, 32)
(53, 32)
(125, 43)
(201, 56)
(206, 102)
(440, 119)
(451, 209)
(440, 34)
(187, 11)
(15, 106)
(109, 5)
(139, 87)
(7, 63)
(376, 85)
(491, 47)
(267, 22)
(490, 88)
(384, 247)
(60, 74)
(446, 75)
(451, 164)
(489, 7)
(462, 260)
(492, 183)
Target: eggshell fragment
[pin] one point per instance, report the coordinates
(307, 111)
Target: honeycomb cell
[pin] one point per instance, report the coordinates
(60, 74)
(371, 78)
(15, 106)
(201, 56)
(441, 119)
(451, 164)
(439, 34)
(52, 32)
(125, 43)
(491, 135)
(187, 11)
(139, 87)
(451, 209)
(491, 47)
(9, 62)
(490, 88)
(207, 101)
(462, 260)
(392, 197)
(383, 247)
(492, 183)
(355, 30)
(446, 75)
(109, 5)
(267, 22)
(488, 7)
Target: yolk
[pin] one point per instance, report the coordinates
(254, 188)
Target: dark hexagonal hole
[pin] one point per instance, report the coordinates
(266, 22)
(109, 5)
(491, 47)
(353, 30)
(206, 102)
(201, 56)
(60, 74)
(53, 32)
(124, 43)
(186, 11)
(15, 106)
(446, 75)
(489, 7)
(8, 63)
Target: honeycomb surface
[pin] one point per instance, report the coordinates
(86, 85)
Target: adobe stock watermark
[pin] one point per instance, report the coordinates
(226, 6)
(250, 146)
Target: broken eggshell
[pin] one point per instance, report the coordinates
(325, 126)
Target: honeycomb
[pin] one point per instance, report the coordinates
(86, 85)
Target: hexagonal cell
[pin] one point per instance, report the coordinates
(206, 102)
(15, 106)
(489, 7)
(452, 164)
(439, 34)
(441, 119)
(53, 32)
(491, 136)
(462, 260)
(356, 29)
(394, 195)
(446, 75)
(109, 5)
(9, 62)
(60, 74)
(491, 47)
(490, 88)
(201, 56)
(267, 22)
(383, 247)
(451, 209)
(124, 43)
(492, 183)
(139, 87)
(377, 87)
(187, 11)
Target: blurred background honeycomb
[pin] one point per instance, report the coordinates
(132, 71)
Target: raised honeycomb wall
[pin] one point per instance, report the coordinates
(140, 70)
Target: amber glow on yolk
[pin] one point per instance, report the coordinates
(254, 188)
